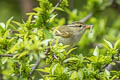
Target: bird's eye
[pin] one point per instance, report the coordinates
(80, 25)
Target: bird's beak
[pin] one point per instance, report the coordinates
(88, 26)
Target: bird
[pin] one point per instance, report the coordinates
(71, 34)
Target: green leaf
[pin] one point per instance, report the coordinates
(57, 69)
(96, 52)
(107, 72)
(53, 69)
(11, 39)
(6, 34)
(2, 25)
(107, 75)
(60, 9)
(94, 59)
(32, 13)
(52, 18)
(13, 27)
(47, 34)
(108, 43)
(8, 22)
(74, 76)
(13, 48)
(65, 46)
(80, 75)
(17, 23)
(64, 3)
(29, 19)
(22, 54)
(46, 70)
(106, 46)
(25, 36)
(70, 51)
(4, 60)
(37, 9)
(71, 59)
(116, 43)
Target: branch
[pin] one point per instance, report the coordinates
(34, 67)
(59, 2)
(106, 66)
(113, 4)
(9, 55)
(55, 56)
(6, 55)
(86, 18)
(38, 62)
(110, 67)
(115, 67)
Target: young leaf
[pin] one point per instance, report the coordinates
(29, 19)
(46, 70)
(60, 9)
(5, 34)
(116, 43)
(70, 50)
(80, 75)
(74, 76)
(4, 60)
(71, 59)
(96, 52)
(13, 48)
(12, 26)
(2, 25)
(52, 18)
(109, 44)
(8, 22)
(107, 72)
(22, 54)
(53, 69)
(17, 23)
(57, 69)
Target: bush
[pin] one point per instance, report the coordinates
(24, 53)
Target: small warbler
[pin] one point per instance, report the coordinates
(71, 34)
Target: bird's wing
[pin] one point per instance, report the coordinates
(64, 31)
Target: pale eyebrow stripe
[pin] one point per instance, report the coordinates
(71, 25)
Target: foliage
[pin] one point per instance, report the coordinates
(26, 42)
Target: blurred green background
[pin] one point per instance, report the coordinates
(9, 8)
(15, 8)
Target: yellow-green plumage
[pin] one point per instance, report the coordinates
(64, 31)
(70, 34)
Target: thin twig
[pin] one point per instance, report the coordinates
(34, 67)
(59, 2)
(38, 61)
(110, 66)
(55, 57)
(86, 18)
(9, 55)
(6, 55)
(47, 51)
(106, 65)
